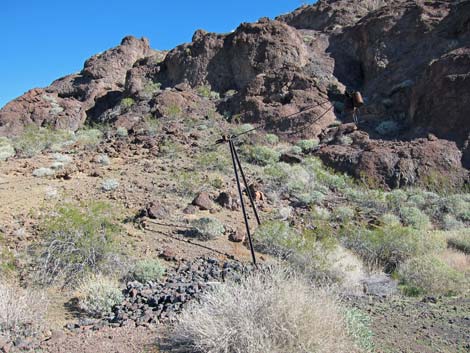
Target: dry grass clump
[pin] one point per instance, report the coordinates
(428, 274)
(21, 311)
(275, 311)
(98, 294)
(459, 240)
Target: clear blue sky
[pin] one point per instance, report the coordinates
(46, 39)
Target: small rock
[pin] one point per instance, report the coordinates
(155, 210)
(203, 201)
(190, 209)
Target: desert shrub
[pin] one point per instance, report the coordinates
(6, 149)
(98, 294)
(102, 159)
(389, 219)
(241, 129)
(215, 161)
(274, 236)
(22, 311)
(151, 87)
(390, 246)
(272, 139)
(76, 239)
(428, 274)
(207, 228)
(62, 158)
(109, 185)
(458, 206)
(147, 270)
(387, 127)
(122, 131)
(173, 111)
(206, 92)
(459, 240)
(43, 172)
(169, 147)
(415, 218)
(35, 139)
(261, 155)
(88, 137)
(359, 328)
(343, 214)
(188, 183)
(307, 145)
(127, 103)
(260, 314)
(449, 222)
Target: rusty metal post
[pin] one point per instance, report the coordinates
(240, 193)
(250, 196)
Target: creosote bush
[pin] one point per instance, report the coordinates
(389, 246)
(272, 311)
(148, 270)
(428, 274)
(98, 294)
(261, 155)
(207, 228)
(76, 239)
(89, 137)
(21, 311)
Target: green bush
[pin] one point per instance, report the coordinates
(415, 218)
(6, 149)
(207, 228)
(36, 139)
(148, 270)
(272, 139)
(261, 155)
(127, 103)
(206, 92)
(122, 132)
(307, 145)
(98, 295)
(75, 240)
(89, 137)
(458, 206)
(428, 274)
(343, 214)
(389, 246)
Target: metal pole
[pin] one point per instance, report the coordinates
(253, 205)
(232, 152)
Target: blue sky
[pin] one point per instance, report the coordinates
(46, 39)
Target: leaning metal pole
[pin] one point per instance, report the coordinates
(233, 153)
(250, 196)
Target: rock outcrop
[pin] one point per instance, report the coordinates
(409, 58)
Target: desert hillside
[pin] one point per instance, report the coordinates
(121, 223)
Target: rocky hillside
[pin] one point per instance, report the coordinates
(410, 59)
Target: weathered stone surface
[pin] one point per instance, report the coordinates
(203, 201)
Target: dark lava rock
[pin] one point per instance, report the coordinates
(203, 201)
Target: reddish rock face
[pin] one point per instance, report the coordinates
(65, 103)
(409, 58)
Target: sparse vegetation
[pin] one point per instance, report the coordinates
(207, 228)
(6, 149)
(259, 314)
(389, 246)
(307, 145)
(428, 274)
(147, 270)
(76, 239)
(460, 240)
(261, 155)
(109, 185)
(127, 102)
(35, 139)
(89, 137)
(21, 311)
(98, 294)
